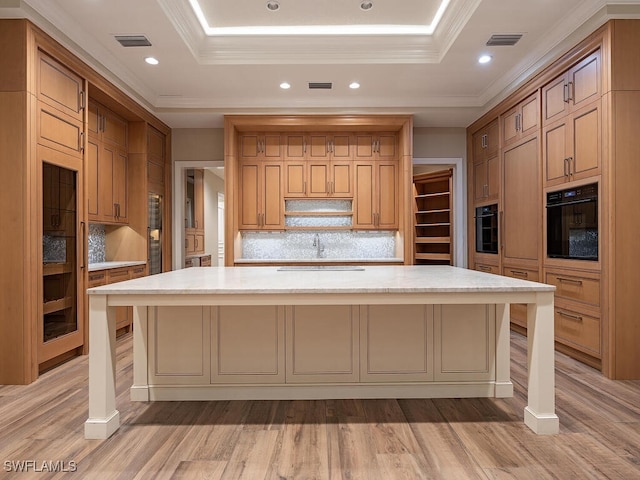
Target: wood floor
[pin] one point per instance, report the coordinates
(326, 439)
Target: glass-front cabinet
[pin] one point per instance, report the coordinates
(61, 329)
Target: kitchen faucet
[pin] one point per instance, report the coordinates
(318, 245)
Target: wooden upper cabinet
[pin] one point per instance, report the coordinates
(486, 142)
(107, 126)
(261, 196)
(260, 146)
(578, 86)
(378, 146)
(318, 178)
(521, 120)
(572, 146)
(376, 195)
(317, 146)
(60, 87)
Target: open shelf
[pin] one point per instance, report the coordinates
(433, 241)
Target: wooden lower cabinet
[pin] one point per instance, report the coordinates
(487, 268)
(577, 311)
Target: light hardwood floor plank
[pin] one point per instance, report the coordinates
(325, 439)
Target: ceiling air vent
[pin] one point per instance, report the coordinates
(133, 40)
(320, 85)
(508, 40)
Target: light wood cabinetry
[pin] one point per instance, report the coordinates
(590, 105)
(375, 195)
(433, 209)
(107, 166)
(519, 311)
(261, 202)
(572, 146)
(318, 179)
(376, 146)
(45, 154)
(522, 201)
(486, 163)
(521, 120)
(260, 146)
(578, 86)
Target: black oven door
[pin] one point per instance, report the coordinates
(487, 229)
(572, 223)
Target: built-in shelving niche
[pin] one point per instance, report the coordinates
(323, 214)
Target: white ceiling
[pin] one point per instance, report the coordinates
(435, 77)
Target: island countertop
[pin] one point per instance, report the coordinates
(326, 280)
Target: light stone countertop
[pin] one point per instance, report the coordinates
(93, 267)
(268, 280)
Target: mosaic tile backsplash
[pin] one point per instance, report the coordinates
(297, 245)
(97, 236)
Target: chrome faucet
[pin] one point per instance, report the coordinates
(318, 245)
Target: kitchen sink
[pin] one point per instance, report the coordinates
(294, 268)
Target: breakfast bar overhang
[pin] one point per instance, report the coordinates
(220, 333)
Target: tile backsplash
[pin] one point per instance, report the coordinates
(97, 242)
(302, 245)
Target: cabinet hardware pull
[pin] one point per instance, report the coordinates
(564, 170)
(82, 104)
(304, 146)
(520, 273)
(483, 268)
(82, 245)
(195, 240)
(485, 140)
(501, 230)
(571, 92)
(304, 188)
(517, 122)
(569, 280)
(569, 160)
(577, 318)
(186, 244)
(81, 142)
(565, 93)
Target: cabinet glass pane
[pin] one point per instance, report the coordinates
(59, 243)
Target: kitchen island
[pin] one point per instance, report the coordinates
(321, 332)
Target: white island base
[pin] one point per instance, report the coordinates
(258, 333)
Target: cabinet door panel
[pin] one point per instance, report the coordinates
(249, 146)
(509, 122)
(272, 149)
(364, 206)
(120, 189)
(106, 162)
(586, 136)
(364, 147)
(92, 179)
(322, 343)
(294, 147)
(341, 147)
(180, 350)
(318, 179)
(318, 147)
(553, 99)
(342, 181)
(479, 181)
(249, 177)
(387, 195)
(584, 80)
(555, 152)
(115, 129)
(296, 178)
(248, 345)
(396, 343)
(272, 197)
(530, 116)
(59, 131)
(464, 342)
(521, 202)
(60, 87)
(387, 147)
(493, 177)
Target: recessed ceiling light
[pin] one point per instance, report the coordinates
(354, 85)
(366, 6)
(484, 59)
(151, 60)
(285, 86)
(272, 5)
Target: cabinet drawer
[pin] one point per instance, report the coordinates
(521, 273)
(577, 288)
(138, 271)
(97, 279)
(577, 330)
(205, 261)
(118, 274)
(483, 267)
